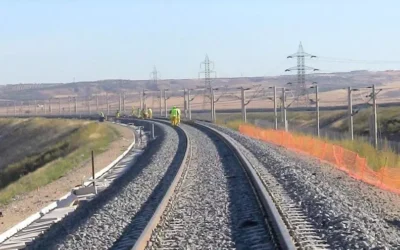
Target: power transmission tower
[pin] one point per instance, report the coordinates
(208, 71)
(154, 76)
(301, 91)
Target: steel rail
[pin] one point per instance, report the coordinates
(273, 216)
(145, 236)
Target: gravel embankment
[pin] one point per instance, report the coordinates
(215, 208)
(349, 214)
(102, 221)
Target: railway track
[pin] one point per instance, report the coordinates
(194, 190)
(102, 221)
(216, 201)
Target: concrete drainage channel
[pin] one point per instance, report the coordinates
(21, 235)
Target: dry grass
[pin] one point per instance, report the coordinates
(22, 138)
(375, 158)
(388, 120)
(56, 159)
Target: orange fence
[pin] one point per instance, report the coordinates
(345, 160)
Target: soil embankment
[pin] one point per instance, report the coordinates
(59, 173)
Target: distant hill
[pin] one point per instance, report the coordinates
(327, 81)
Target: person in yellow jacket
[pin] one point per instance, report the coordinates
(101, 118)
(173, 115)
(178, 116)
(145, 114)
(150, 113)
(133, 113)
(118, 114)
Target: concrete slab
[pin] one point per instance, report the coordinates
(31, 230)
(28, 234)
(40, 224)
(84, 190)
(57, 213)
(12, 246)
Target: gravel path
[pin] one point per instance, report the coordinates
(101, 222)
(215, 207)
(348, 214)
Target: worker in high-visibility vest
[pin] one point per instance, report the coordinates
(144, 113)
(101, 118)
(178, 118)
(150, 113)
(117, 115)
(173, 115)
(133, 111)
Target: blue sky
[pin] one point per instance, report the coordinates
(55, 41)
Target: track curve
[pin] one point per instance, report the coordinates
(193, 190)
(104, 220)
(215, 204)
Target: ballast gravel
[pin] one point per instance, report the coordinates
(102, 221)
(347, 213)
(215, 207)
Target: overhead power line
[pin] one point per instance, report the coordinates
(346, 60)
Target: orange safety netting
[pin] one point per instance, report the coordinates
(345, 160)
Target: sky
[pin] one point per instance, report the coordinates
(59, 41)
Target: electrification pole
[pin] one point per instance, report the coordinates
(123, 103)
(214, 102)
(317, 108)
(108, 106)
(213, 119)
(165, 103)
(69, 105)
(185, 103)
(50, 110)
(161, 97)
(59, 106)
(284, 109)
(350, 112)
(29, 108)
(141, 100)
(189, 106)
(211, 104)
(97, 103)
(35, 108)
(275, 111)
(76, 105)
(89, 109)
(244, 117)
(15, 108)
(119, 102)
(375, 125)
